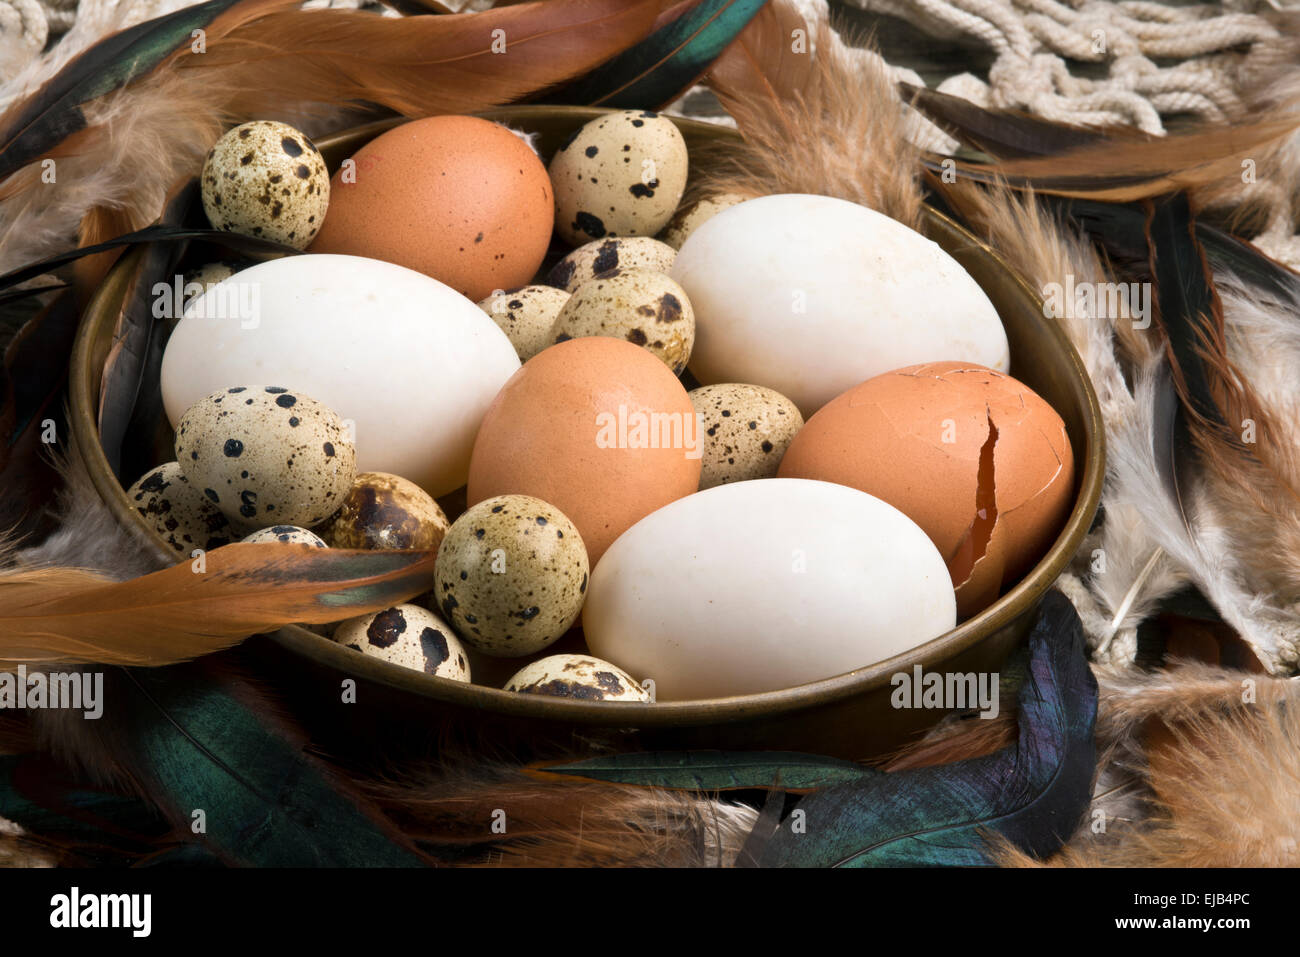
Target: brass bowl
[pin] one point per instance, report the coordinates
(849, 715)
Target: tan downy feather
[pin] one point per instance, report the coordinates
(813, 122)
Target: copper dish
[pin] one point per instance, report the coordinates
(849, 715)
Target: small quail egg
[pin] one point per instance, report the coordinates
(689, 217)
(511, 575)
(746, 430)
(178, 511)
(410, 636)
(285, 535)
(384, 511)
(209, 274)
(266, 179)
(526, 316)
(577, 676)
(646, 308)
(620, 175)
(264, 454)
(602, 255)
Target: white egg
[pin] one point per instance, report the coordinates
(761, 585)
(411, 362)
(811, 295)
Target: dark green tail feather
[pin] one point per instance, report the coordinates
(55, 113)
(666, 63)
(1032, 794)
(199, 743)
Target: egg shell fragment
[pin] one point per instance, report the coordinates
(597, 427)
(266, 179)
(811, 295)
(620, 175)
(383, 511)
(757, 586)
(602, 255)
(646, 308)
(976, 458)
(577, 676)
(459, 198)
(179, 511)
(526, 315)
(409, 636)
(264, 454)
(413, 364)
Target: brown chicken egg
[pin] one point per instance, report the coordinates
(597, 427)
(974, 457)
(459, 198)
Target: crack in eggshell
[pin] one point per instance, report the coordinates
(973, 546)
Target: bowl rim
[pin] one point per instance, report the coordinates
(84, 393)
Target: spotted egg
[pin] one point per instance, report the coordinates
(620, 175)
(410, 636)
(577, 676)
(266, 179)
(526, 316)
(384, 511)
(600, 256)
(264, 455)
(285, 535)
(511, 575)
(745, 428)
(690, 216)
(179, 511)
(646, 308)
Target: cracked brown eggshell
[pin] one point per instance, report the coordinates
(976, 458)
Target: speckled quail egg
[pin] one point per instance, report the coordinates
(410, 636)
(646, 308)
(686, 219)
(745, 428)
(526, 316)
(511, 575)
(263, 454)
(384, 511)
(209, 274)
(577, 676)
(620, 175)
(602, 255)
(268, 180)
(285, 535)
(178, 511)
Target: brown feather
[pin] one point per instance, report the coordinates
(67, 615)
(1216, 754)
(305, 67)
(823, 123)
